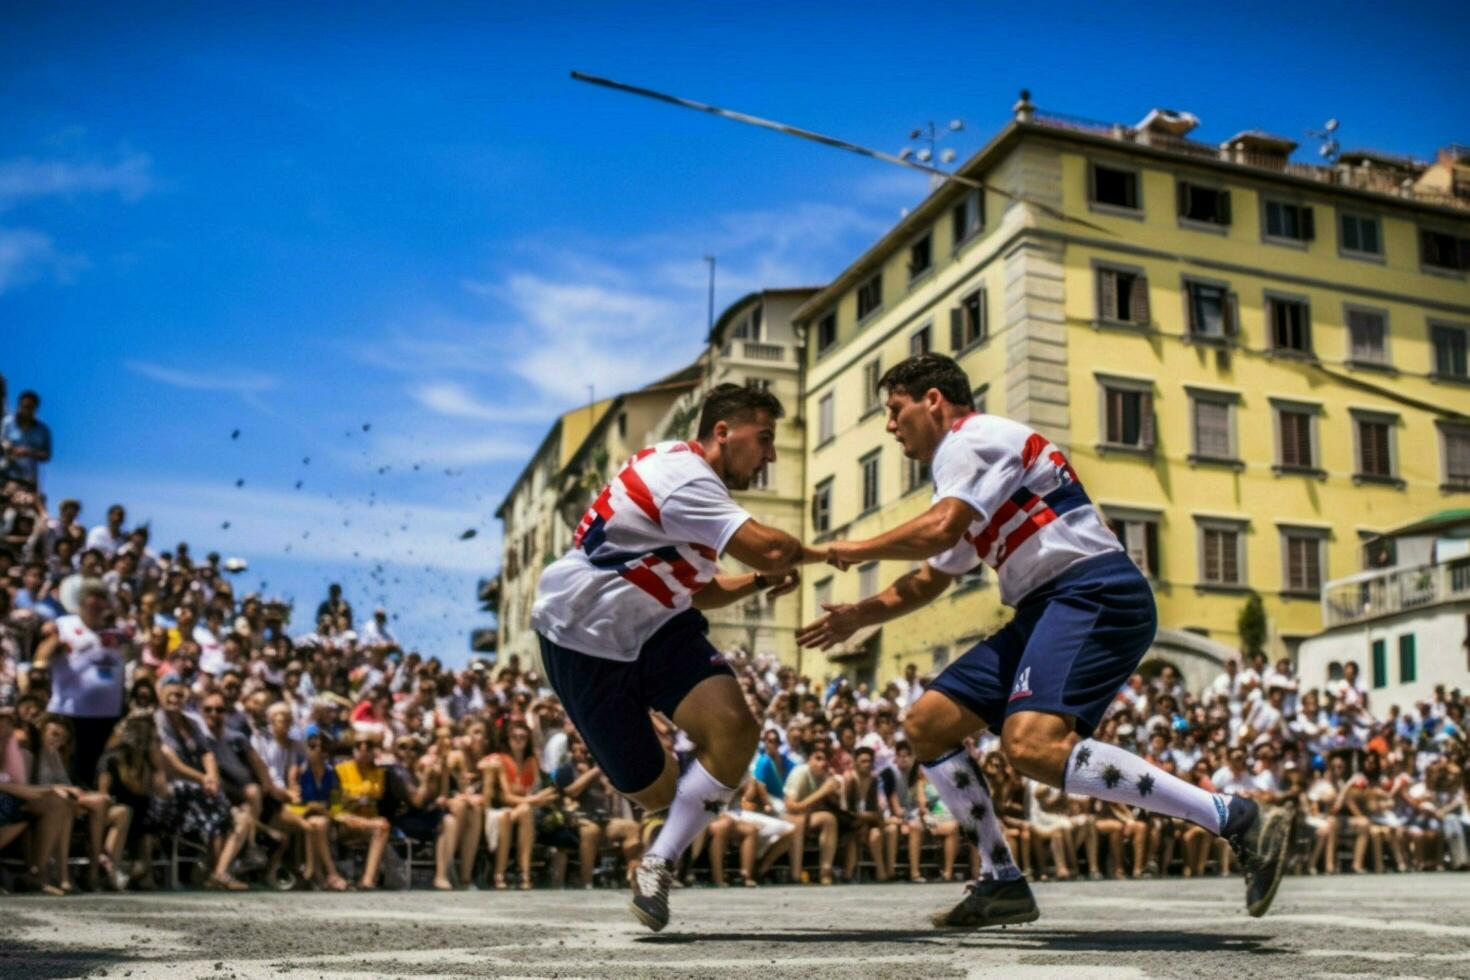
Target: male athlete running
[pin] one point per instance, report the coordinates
(1084, 618)
(621, 632)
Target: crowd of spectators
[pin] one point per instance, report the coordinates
(150, 717)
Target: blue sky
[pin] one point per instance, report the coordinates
(297, 219)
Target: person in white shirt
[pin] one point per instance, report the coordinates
(87, 676)
(375, 633)
(1085, 616)
(1228, 683)
(109, 537)
(620, 628)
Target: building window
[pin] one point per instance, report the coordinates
(869, 466)
(1140, 539)
(921, 257)
(916, 473)
(1408, 669)
(1303, 554)
(763, 477)
(1289, 222)
(1449, 351)
(1122, 297)
(822, 507)
(1212, 428)
(1443, 251)
(1209, 205)
(1291, 329)
(979, 395)
(870, 296)
(1456, 456)
(1367, 335)
(1115, 188)
(1129, 417)
(1221, 560)
(826, 332)
(758, 384)
(1211, 311)
(967, 321)
(622, 425)
(867, 580)
(919, 341)
(822, 592)
(940, 658)
(826, 419)
(1358, 233)
(872, 371)
(1375, 446)
(967, 217)
(1380, 663)
(1294, 439)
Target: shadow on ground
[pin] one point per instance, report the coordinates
(35, 962)
(1034, 940)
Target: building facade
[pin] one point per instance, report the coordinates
(1405, 622)
(1254, 365)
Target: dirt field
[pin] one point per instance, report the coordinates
(1397, 925)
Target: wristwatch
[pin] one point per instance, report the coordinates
(761, 581)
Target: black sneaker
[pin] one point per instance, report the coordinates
(990, 902)
(1262, 840)
(650, 902)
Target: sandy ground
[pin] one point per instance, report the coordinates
(1397, 925)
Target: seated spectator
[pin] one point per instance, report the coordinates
(201, 809)
(363, 783)
(772, 765)
(587, 799)
(865, 807)
(22, 805)
(133, 773)
(761, 834)
(415, 803)
(107, 821)
(314, 791)
(906, 808)
(813, 798)
(522, 790)
(107, 538)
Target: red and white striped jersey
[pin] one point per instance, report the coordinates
(1035, 520)
(651, 539)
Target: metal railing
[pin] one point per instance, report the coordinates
(1395, 590)
(754, 350)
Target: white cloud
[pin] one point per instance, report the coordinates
(453, 400)
(239, 382)
(25, 255)
(26, 178)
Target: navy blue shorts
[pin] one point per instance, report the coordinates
(608, 700)
(1071, 645)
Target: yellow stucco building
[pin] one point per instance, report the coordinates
(1253, 365)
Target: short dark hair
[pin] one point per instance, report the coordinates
(732, 403)
(915, 375)
(28, 393)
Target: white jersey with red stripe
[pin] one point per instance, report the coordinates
(1035, 520)
(651, 539)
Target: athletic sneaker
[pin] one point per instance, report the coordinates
(990, 902)
(650, 902)
(1261, 838)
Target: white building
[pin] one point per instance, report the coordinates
(1405, 621)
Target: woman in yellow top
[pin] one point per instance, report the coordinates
(362, 783)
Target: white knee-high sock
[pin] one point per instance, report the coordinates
(1108, 772)
(699, 799)
(964, 791)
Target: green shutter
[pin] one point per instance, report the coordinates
(1407, 667)
(1380, 663)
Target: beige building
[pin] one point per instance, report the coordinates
(753, 343)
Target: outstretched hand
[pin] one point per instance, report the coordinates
(841, 621)
(786, 582)
(838, 555)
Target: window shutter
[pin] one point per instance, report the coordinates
(1183, 199)
(957, 328)
(1222, 211)
(1367, 449)
(1107, 293)
(1457, 455)
(1212, 570)
(1290, 450)
(1426, 248)
(1138, 310)
(1232, 315)
(1151, 547)
(1115, 415)
(1462, 246)
(1309, 225)
(982, 321)
(1146, 420)
(979, 209)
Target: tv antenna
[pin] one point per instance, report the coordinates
(1329, 148)
(839, 144)
(926, 138)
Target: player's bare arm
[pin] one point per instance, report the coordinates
(727, 589)
(909, 592)
(770, 550)
(935, 531)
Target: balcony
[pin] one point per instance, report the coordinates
(1370, 595)
(753, 350)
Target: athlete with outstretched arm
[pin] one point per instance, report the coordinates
(1084, 618)
(621, 632)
